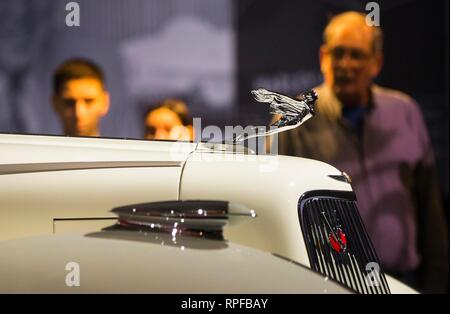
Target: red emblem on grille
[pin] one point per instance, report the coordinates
(338, 240)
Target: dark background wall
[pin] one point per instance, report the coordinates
(148, 49)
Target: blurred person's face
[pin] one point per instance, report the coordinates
(80, 105)
(164, 124)
(349, 63)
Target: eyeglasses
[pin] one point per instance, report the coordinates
(338, 53)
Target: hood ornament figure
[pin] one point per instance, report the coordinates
(294, 112)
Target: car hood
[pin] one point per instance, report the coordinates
(130, 262)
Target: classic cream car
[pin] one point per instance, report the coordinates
(306, 210)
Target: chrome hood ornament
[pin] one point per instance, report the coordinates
(294, 112)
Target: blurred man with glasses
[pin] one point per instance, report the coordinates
(378, 137)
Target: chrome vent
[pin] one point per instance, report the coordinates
(337, 242)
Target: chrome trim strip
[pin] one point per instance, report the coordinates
(83, 218)
(81, 165)
(196, 218)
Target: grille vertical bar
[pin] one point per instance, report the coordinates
(321, 210)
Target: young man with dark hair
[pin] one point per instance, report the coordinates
(79, 97)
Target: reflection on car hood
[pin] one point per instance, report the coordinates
(113, 265)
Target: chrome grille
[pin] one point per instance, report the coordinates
(321, 214)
